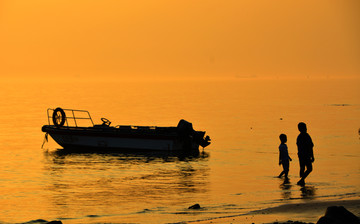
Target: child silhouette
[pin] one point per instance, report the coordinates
(284, 158)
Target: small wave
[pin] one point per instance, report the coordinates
(339, 105)
(146, 210)
(41, 221)
(93, 216)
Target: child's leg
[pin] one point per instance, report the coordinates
(308, 170)
(286, 168)
(282, 173)
(302, 167)
(303, 174)
(286, 173)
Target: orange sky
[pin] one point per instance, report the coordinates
(235, 38)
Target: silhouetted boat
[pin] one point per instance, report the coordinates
(65, 130)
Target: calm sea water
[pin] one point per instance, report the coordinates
(234, 175)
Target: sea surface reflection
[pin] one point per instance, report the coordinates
(110, 183)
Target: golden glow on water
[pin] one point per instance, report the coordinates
(244, 118)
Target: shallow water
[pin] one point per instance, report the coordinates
(234, 175)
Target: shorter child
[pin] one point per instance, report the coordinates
(284, 157)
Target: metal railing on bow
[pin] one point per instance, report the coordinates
(72, 117)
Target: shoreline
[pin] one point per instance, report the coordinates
(307, 212)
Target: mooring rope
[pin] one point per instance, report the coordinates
(45, 140)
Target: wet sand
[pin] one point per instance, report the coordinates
(308, 212)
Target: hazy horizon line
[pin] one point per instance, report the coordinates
(140, 78)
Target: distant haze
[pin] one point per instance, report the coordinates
(162, 38)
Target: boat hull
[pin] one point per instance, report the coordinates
(110, 138)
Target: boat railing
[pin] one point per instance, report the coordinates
(72, 117)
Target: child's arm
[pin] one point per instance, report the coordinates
(311, 146)
(312, 159)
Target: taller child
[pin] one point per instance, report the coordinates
(305, 152)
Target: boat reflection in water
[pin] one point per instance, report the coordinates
(131, 187)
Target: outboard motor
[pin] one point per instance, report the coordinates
(188, 135)
(205, 142)
(185, 128)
